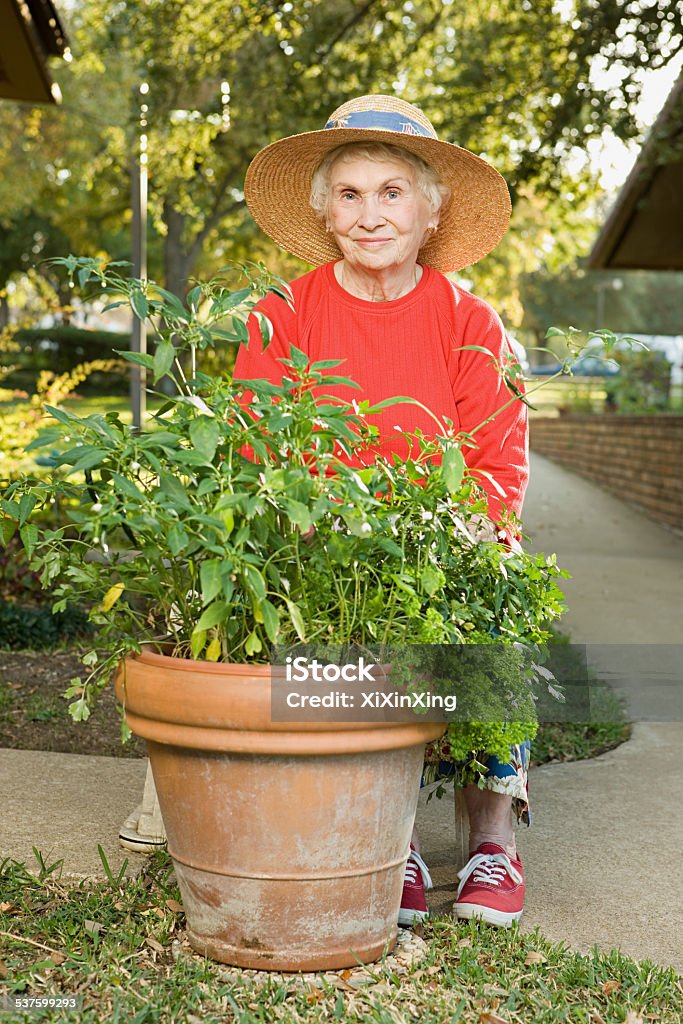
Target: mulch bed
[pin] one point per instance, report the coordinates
(35, 716)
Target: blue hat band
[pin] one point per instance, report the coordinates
(384, 120)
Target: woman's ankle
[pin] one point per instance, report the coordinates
(506, 840)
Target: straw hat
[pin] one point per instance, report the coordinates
(277, 186)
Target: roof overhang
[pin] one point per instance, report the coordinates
(30, 32)
(644, 229)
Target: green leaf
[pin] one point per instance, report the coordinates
(386, 402)
(193, 297)
(173, 303)
(29, 537)
(83, 276)
(177, 539)
(79, 710)
(215, 614)
(91, 457)
(224, 303)
(139, 304)
(60, 414)
(325, 364)
(139, 358)
(197, 642)
(253, 645)
(172, 488)
(339, 549)
(477, 348)
(46, 436)
(211, 578)
(240, 329)
(265, 328)
(357, 526)
(8, 528)
(127, 486)
(271, 620)
(431, 580)
(297, 619)
(255, 582)
(26, 506)
(222, 335)
(163, 359)
(391, 547)
(299, 358)
(453, 466)
(299, 514)
(206, 486)
(205, 434)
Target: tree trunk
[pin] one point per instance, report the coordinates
(177, 258)
(178, 265)
(4, 312)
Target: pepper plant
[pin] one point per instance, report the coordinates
(233, 522)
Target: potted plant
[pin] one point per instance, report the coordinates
(223, 529)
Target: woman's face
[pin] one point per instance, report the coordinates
(377, 213)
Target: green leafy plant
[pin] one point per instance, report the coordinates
(24, 626)
(233, 521)
(643, 384)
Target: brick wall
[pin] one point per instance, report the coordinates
(638, 458)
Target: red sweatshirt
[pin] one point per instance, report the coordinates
(409, 346)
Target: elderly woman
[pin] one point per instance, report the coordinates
(380, 206)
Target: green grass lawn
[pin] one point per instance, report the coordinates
(120, 947)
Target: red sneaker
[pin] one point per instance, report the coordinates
(416, 880)
(491, 887)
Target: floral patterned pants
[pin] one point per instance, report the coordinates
(509, 778)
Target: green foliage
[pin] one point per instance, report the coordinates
(174, 536)
(643, 385)
(514, 82)
(648, 302)
(23, 627)
(16, 578)
(21, 414)
(62, 348)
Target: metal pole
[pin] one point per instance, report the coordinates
(138, 340)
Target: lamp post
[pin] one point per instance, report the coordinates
(138, 341)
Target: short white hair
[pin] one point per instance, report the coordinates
(426, 178)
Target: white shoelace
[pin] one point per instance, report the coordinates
(415, 864)
(488, 867)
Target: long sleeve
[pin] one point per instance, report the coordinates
(502, 444)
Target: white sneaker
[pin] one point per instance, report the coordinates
(140, 842)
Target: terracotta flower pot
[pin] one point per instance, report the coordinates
(289, 841)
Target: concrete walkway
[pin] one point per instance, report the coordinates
(601, 856)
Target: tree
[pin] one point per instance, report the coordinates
(511, 80)
(644, 302)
